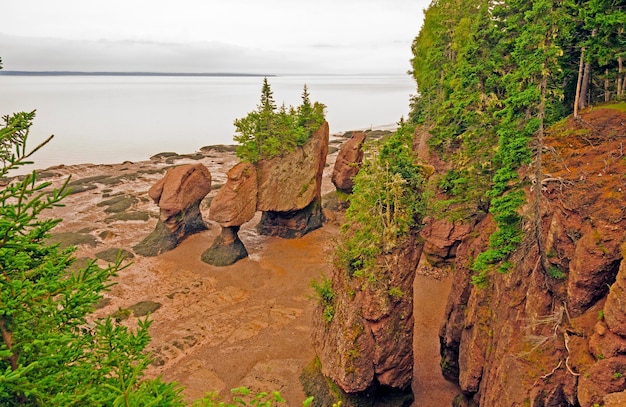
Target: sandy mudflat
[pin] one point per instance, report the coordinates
(218, 328)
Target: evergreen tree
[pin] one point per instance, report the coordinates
(268, 131)
(49, 354)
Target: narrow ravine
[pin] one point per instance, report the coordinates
(430, 295)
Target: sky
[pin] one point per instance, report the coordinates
(246, 36)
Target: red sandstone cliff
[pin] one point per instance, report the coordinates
(554, 338)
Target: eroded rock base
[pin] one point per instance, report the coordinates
(227, 248)
(293, 224)
(327, 393)
(162, 239)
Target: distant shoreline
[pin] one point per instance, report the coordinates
(105, 73)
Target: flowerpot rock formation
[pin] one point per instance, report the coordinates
(289, 188)
(234, 205)
(178, 195)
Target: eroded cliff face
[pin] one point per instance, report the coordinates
(366, 348)
(557, 337)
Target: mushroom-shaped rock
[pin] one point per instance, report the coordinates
(348, 162)
(234, 205)
(178, 195)
(235, 202)
(290, 188)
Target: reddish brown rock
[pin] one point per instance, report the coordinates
(442, 237)
(536, 336)
(615, 399)
(181, 188)
(292, 181)
(368, 341)
(615, 306)
(235, 202)
(348, 162)
(593, 267)
(289, 188)
(178, 195)
(605, 376)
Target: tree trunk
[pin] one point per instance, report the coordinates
(578, 83)
(545, 264)
(607, 92)
(620, 84)
(584, 88)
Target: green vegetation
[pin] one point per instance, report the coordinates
(326, 296)
(49, 354)
(385, 206)
(270, 131)
(491, 77)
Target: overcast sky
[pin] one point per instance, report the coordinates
(262, 36)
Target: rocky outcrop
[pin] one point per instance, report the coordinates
(234, 205)
(178, 195)
(289, 188)
(348, 162)
(366, 348)
(554, 337)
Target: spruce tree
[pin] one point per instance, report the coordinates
(50, 354)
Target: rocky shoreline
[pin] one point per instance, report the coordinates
(214, 328)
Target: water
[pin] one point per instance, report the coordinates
(109, 119)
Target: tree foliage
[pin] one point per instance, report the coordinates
(269, 131)
(50, 354)
(491, 75)
(385, 205)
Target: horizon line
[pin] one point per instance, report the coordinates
(127, 73)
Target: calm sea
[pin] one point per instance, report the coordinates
(108, 119)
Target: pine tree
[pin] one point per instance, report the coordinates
(49, 354)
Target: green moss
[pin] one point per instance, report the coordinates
(128, 216)
(118, 203)
(121, 314)
(144, 308)
(73, 239)
(111, 255)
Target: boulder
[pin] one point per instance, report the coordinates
(348, 162)
(226, 249)
(178, 195)
(235, 203)
(615, 307)
(289, 188)
(606, 376)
